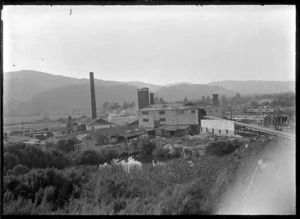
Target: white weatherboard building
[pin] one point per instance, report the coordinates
(156, 115)
(217, 126)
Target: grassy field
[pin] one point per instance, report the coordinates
(30, 119)
(38, 122)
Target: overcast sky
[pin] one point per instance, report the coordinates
(153, 44)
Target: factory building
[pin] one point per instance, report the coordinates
(151, 98)
(170, 130)
(217, 127)
(171, 118)
(215, 100)
(143, 97)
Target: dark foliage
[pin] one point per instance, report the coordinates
(222, 148)
(33, 157)
(90, 157)
(39, 184)
(66, 146)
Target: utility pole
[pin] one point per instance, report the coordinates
(126, 132)
(274, 118)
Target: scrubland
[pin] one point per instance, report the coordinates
(56, 180)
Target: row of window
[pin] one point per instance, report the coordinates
(213, 131)
(161, 119)
(164, 112)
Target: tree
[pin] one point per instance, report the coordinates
(114, 106)
(254, 104)
(185, 101)
(238, 99)
(161, 101)
(223, 99)
(125, 105)
(105, 106)
(132, 104)
(208, 99)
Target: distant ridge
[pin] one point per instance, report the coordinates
(257, 86)
(32, 91)
(178, 83)
(192, 91)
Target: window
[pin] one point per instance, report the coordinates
(219, 131)
(226, 131)
(179, 111)
(193, 111)
(162, 119)
(145, 120)
(213, 131)
(162, 112)
(145, 113)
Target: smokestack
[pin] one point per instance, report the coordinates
(151, 98)
(215, 100)
(143, 97)
(93, 98)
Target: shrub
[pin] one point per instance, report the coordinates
(221, 148)
(110, 153)
(90, 157)
(66, 146)
(39, 184)
(33, 157)
(177, 152)
(10, 160)
(20, 169)
(148, 148)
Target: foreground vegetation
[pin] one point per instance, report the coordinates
(54, 180)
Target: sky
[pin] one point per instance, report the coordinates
(153, 44)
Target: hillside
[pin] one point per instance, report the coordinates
(256, 87)
(194, 91)
(178, 83)
(76, 97)
(138, 84)
(32, 91)
(23, 85)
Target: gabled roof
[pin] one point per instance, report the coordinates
(98, 121)
(136, 122)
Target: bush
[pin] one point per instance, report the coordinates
(20, 169)
(39, 184)
(148, 148)
(90, 157)
(160, 151)
(10, 161)
(221, 148)
(110, 153)
(33, 157)
(66, 146)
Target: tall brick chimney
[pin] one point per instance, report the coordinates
(93, 98)
(151, 98)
